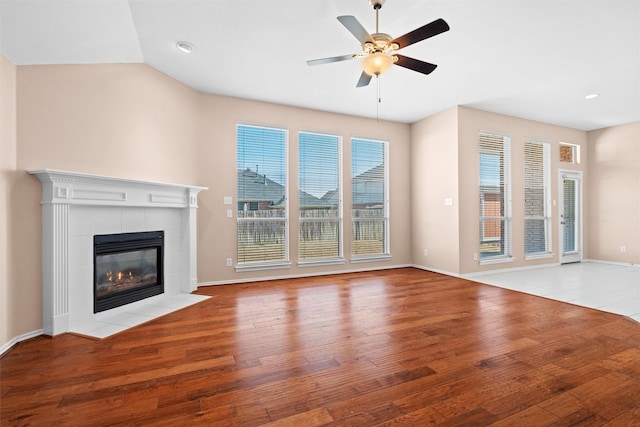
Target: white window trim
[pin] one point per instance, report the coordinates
(321, 261)
(497, 260)
(386, 217)
(508, 217)
(576, 152)
(547, 203)
(340, 258)
(270, 265)
(369, 258)
(257, 266)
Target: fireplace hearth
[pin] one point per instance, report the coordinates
(128, 267)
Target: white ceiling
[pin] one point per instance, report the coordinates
(532, 59)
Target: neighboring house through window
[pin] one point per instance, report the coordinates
(262, 196)
(319, 198)
(369, 199)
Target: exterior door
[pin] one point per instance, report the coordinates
(570, 216)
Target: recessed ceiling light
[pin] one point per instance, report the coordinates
(185, 47)
(591, 96)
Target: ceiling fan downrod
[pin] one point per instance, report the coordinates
(377, 5)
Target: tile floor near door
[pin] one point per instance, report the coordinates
(607, 287)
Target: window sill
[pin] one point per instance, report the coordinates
(490, 261)
(256, 266)
(538, 256)
(320, 261)
(369, 258)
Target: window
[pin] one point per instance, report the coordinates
(262, 195)
(251, 206)
(495, 197)
(319, 197)
(569, 153)
(537, 206)
(369, 199)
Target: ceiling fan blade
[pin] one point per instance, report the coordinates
(415, 64)
(364, 80)
(355, 27)
(330, 60)
(431, 29)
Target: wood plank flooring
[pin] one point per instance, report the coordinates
(397, 347)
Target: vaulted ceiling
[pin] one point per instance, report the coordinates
(533, 59)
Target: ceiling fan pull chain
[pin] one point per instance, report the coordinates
(378, 98)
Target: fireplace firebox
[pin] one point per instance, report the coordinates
(128, 267)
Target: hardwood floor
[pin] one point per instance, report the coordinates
(396, 347)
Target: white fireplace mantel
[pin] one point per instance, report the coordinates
(76, 206)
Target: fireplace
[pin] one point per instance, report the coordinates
(75, 208)
(128, 267)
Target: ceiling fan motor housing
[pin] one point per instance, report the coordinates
(382, 44)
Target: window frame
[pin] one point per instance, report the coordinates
(506, 219)
(575, 153)
(546, 200)
(265, 264)
(339, 219)
(386, 244)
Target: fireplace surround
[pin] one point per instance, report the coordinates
(75, 208)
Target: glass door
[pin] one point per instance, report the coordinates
(570, 217)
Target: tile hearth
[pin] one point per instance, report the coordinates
(135, 314)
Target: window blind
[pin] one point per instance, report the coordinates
(369, 201)
(495, 195)
(261, 194)
(537, 219)
(319, 196)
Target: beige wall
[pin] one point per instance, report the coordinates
(445, 165)
(216, 233)
(132, 121)
(470, 123)
(434, 178)
(9, 325)
(121, 120)
(614, 194)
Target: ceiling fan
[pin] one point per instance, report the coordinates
(378, 49)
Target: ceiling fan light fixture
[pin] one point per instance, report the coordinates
(377, 63)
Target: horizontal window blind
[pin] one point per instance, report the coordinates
(319, 196)
(261, 194)
(537, 164)
(369, 201)
(495, 195)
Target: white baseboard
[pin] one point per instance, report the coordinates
(15, 340)
(297, 276)
(508, 270)
(435, 270)
(622, 264)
